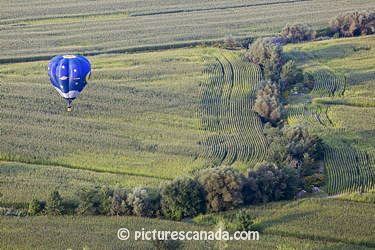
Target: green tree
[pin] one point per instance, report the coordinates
(55, 203)
(223, 188)
(181, 198)
(35, 207)
(268, 55)
(267, 102)
(298, 32)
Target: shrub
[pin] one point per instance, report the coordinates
(300, 142)
(144, 203)
(36, 207)
(274, 183)
(55, 203)
(182, 198)
(269, 56)
(119, 205)
(267, 103)
(70, 206)
(353, 24)
(230, 43)
(223, 188)
(290, 74)
(94, 201)
(308, 80)
(243, 221)
(166, 244)
(250, 191)
(298, 32)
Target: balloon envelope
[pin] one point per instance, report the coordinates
(69, 75)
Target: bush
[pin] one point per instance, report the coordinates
(144, 203)
(166, 244)
(353, 24)
(94, 201)
(223, 188)
(119, 205)
(70, 206)
(269, 55)
(243, 221)
(308, 80)
(230, 43)
(267, 103)
(290, 74)
(298, 33)
(182, 198)
(55, 203)
(274, 183)
(36, 207)
(250, 192)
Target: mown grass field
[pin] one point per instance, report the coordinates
(38, 29)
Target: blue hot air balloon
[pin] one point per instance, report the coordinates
(69, 75)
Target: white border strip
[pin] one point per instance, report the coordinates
(70, 94)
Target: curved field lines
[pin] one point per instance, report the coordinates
(348, 169)
(328, 84)
(313, 116)
(232, 131)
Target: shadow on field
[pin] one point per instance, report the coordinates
(324, 53)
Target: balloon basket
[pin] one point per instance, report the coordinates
(69, 109)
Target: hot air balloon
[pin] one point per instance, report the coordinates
(69, 75)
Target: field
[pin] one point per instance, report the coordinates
(342, 108)
(284, 227)
(40, 29)
(165, 101)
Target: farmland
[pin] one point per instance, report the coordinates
(40, 29)
(284, 226)
(166, 100)
(342, 108)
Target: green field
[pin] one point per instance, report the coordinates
(39, 29)
(307, 224)
(342, 109)
(165, 100)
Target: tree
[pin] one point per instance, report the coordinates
(144, 203)
(267, 103)
(269, 55)
(223, 188)
(36, 207)
(230, 43)
(55, 203)
(119, 205)
(290, 74)
(181, 198)
(353, 24)
(298, 32)
(274, 183)
(94, 200)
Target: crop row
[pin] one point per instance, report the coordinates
(327, 83)
(35, 29)
(348, 169)
(313, 116)
(233, 130)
